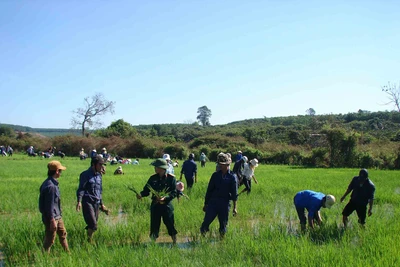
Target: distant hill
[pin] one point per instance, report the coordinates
(48, 132)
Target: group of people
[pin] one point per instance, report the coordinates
(6, 151)
(362, 191)
(222, 189)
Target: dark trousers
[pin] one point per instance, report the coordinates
(50, 236)
(189, 182)
(166, 212)
(220, 208)
(90, 214)
(247, 184)
(203, 163)
(359, 208)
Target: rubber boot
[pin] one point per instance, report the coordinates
(173, 239)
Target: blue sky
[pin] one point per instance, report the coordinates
(162, 60)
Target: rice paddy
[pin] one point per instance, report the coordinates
(264, 233)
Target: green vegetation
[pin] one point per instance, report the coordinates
(354, 140)
(265, 232)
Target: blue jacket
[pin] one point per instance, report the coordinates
(90, 186)
(222, 187)
(310, 200)
(189, 168)
(49, 199)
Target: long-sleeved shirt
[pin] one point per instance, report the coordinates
(310, 200)
(362, 193)
(222, 186)
(49, 199)
(189, 168)
(90, 186)
(166, 183)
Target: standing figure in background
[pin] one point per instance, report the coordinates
(238, 169)
(203, 159)
(248, 174)
(189, 168)
(363, 191)
(50, 207)
(170, 169)
(9, 150)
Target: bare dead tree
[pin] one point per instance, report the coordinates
(393, 93)
(87, 116)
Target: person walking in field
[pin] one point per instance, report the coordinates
(50, 207)
(189, 168)
(238, 169)
(248, 174)
(203, 159)
(89, 194)
(363, 191)
(170, 169)
(222, 188)
(312, 202)
(162, 185)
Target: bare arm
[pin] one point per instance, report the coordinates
(345, 194)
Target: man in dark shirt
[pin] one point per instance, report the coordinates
(189, 168)
(89, 194)
(50, 207)
(162, 185)
(363, 191)
(222, 188)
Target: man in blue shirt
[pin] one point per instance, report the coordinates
(50, 207)
(89, 194)
(363, 191)
(312, 202)
(189, 168)
(222, 188)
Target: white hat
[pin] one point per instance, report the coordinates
(94, 150)
(166, 157)
(119, 168)
(245, 159)
(329, 201)
(254, 162)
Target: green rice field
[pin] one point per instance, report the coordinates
(264, 233)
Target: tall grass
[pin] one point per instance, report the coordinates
(264, 233)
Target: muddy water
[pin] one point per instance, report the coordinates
(120, 218)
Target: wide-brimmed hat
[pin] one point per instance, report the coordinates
(160, 163)
(55, 165)
(329, 201)
(166, 157)
(254, 162)
(223, 159)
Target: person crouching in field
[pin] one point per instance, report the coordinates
(222, 188)
(89, 194)
(363, 191)
(312, 202)
(50, 207)
(162, 185)
(248, 174)
(119, 171)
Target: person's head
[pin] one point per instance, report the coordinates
(160, 166)
(98, 164)
(253, 163)
(54, 168)
(328, 201)
(166, 157)
(223, 161)
(191, 156)
(363, 174)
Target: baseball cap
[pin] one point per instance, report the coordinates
(55, 165)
